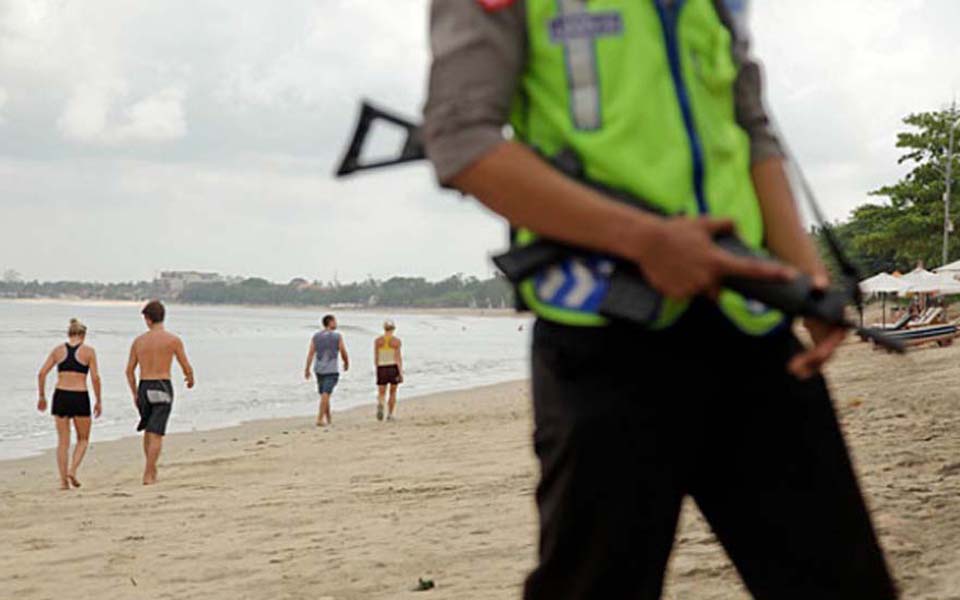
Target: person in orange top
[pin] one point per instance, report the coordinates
(389, 362)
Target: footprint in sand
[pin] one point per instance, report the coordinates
(38, 544)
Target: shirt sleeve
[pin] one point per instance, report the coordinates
(748, 89)
(478, 57)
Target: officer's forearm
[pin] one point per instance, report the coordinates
(785, 235)
(514, 182)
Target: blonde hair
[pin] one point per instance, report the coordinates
(77, 329)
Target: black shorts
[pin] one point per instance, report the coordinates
(628, 422)
(154, 400)
(388, 374)
(67, 403)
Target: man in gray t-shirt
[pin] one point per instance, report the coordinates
(325, 346)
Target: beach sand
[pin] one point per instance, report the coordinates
(281, 509)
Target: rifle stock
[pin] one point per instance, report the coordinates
(629, 297)
(412, 149)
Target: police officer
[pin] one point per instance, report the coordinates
(716, 399)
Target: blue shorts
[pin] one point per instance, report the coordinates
(326, 382)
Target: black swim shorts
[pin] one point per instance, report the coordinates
(154, 400)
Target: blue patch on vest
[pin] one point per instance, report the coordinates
(585, 25)
(756, 308)
(576, 284)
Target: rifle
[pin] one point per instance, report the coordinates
(628, 296)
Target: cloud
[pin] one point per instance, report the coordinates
(3, 102)
(94, 114)
(279, 218)
(219, 122)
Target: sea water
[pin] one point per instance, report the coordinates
(249, 362)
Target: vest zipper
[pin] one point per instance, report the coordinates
(668, 20)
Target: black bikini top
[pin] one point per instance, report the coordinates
(70, 364)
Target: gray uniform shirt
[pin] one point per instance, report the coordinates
(327, 345)
(478, 59)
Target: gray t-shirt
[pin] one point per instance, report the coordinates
(327, 345)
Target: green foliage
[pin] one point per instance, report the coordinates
(908, 226)
(140, 290)
(455, 292)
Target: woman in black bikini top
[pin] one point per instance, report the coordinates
(71, 402)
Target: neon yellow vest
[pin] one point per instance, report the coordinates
(644, 95)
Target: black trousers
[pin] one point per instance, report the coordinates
(629, 422)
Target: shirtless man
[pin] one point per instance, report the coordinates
(387, 357)
(153, 397)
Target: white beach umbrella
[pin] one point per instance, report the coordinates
(921, 281)
(882, 283)
(951, 268)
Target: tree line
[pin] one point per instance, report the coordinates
(457, 291)
(133, 290)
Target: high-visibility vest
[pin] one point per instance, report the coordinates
(643, 92)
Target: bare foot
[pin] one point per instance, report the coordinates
(149, 478)
(64, 484)
(73, 480)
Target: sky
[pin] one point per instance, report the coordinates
(143, 136)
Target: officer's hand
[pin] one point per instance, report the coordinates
(825, 337)
(683, 261)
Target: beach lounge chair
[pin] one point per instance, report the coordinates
(941, 335)
(928, 317)
(898, 325)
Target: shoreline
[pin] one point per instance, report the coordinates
(266, 421)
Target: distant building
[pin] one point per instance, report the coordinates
(338, 305)
(172, 283)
